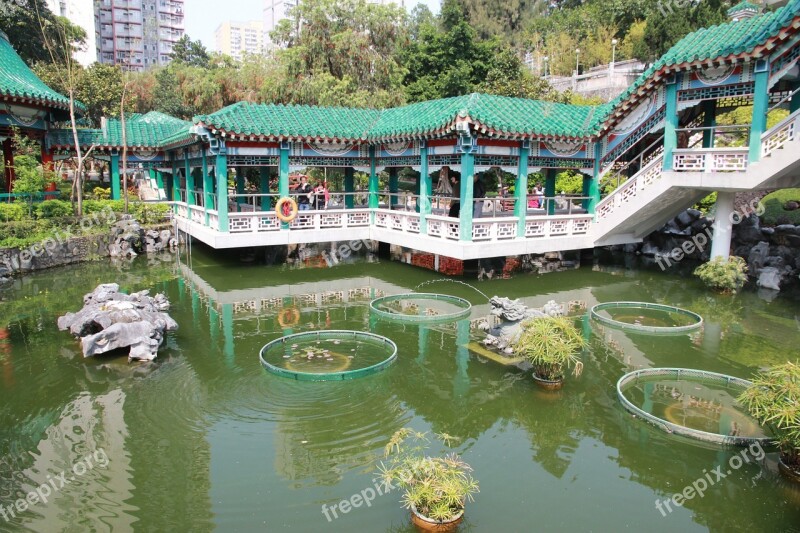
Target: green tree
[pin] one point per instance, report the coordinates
(509, 77)
(189, 52)
(27, 23)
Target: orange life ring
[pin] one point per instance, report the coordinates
(289, 321)
(286, 209)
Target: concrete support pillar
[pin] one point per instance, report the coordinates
(550, 190)
(467, 205)
(208, 186)
(394, 187)
(349, 187)
(709, 121)
(263, 187)
(671, 123)
(240, 185)
(760, 108)
(723, 226)
(114, 175)
(425, 189)
(521, 188)
(8, 163)
(222, 190)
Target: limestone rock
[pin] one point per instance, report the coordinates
(769, 278)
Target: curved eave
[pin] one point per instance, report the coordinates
(277, 137)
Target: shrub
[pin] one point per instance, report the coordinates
(774, 212)
(569, 182)
(706, 204)
(12, 211)
(53, 208)
(723, 275)
(146, 212)
(551, 345)
(101, 194)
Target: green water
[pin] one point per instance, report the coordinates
(206, 439)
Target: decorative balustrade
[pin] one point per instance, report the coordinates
(406, 221)
(557, 226)
(780, 134)
(267, 221)
(494, 229)
(631, 188)
(710, 160)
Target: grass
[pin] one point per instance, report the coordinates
(774, 213)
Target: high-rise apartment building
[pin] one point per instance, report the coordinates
(274, 12)
(137, 34)
(80, 13)
(237, 38)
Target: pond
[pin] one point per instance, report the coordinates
(205, 438)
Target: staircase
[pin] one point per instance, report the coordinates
(650, 198)
(149, 191)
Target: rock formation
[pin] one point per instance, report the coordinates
(111, 320)
(511, 314)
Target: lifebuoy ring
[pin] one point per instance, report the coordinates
(286, 209)
(291, 320)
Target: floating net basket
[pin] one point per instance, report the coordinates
(670, 422)
(328, 355)
(644, 317)
(421, 307)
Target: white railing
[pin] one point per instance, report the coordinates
(213, 220)
(494, 229)
(444, 227)
(710, 160)
(405, 221)
(631, 188)
(197, 214)
(253, 222)
(330, 219)
(557, 226)
(783, 132)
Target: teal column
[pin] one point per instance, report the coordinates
(222, 190)
(187, 171)
(760, 108)
(208, 186)
(794, 104)
(349, 187)
(425, 188)
(594, 184)
(115, 187)
(709, 121)
(373, 180)
(521, 188)
(176, 183)
(263, 185)
(550, 190)
(586, 187)
(227, 331)
(394, 186)
(670, 123)
(195, 177)
(467, 185)
(240, 186)
(283, 176)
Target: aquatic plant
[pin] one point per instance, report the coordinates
(551, 345)
(774, 400)
(438, 487)
(723, 275)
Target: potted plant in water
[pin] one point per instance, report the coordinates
(774, 400)
(436, 487)
(551, 345)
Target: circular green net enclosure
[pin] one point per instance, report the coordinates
(644, 317)
(328, 355)
(691, 403)
(421, 307)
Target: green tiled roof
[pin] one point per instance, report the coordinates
(418, 119)
(721, 41)
(151, 130)
(18, 80)
(743, 6)
(291, 121)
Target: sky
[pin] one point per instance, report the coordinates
(204, 16)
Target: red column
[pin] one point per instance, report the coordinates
(8, 161)
(47, 164)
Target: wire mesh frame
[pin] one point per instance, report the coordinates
(682, 373)
(422, 319)
(325, 335)
(655, 330)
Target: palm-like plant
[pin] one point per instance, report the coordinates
(774, 400)
(551, 345)
(438, 487)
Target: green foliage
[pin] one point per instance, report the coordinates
(12, 211)
(101, 193)
(509, 77)
(551, 345)
(774, 207)
(29, 22)
(438, 487)
(189, 52)
(31, 178)
(53, 208)
(706, 204)
(723, 275)
(774, 400)
(569, 182)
